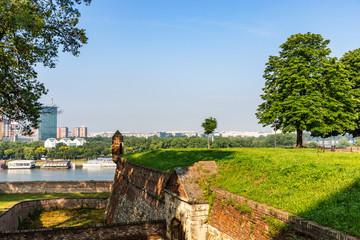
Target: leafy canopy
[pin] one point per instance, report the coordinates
(31, 32)
(351, 62)
(209, 125)
(306, 89)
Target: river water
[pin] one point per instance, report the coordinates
(39, 174)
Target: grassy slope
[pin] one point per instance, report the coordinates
(324, 187)
(6, 200)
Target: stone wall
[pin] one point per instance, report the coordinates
(235, 217)
(184, 218)
(11, 218)
(55, 187)
(137, 194)
(154, 230)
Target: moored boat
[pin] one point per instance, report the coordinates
(57, 164)
(107, 162)
(21, 164)
(92, 163)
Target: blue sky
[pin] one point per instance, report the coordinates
(168, 65)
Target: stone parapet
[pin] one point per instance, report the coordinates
(55, 187)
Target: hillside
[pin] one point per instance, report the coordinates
(323, 187)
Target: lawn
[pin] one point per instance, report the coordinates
(7, 200)
(63, 218)
(323, 187)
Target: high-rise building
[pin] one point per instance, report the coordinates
(83, 131)
(48, 123)
(62, 132)
(76, 132)
(80, 131)
(7, 129)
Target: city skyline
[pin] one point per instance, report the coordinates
(152, 66)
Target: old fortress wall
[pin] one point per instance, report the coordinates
(146, 203)
(137, 194)
(55, 187)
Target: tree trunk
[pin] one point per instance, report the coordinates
(299, 138)
(208, 142)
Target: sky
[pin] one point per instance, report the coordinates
(161, 65)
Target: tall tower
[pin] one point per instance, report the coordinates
(48, 123)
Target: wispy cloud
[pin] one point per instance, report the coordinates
(233, 25)
(164, 24)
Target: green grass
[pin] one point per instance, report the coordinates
(7, 200)
(324, 187)
(63, 218)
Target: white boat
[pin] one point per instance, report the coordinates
(107, 162)
(92, 163)
(21, 164)
(100, 162)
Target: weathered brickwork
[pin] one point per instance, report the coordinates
(131, 211)
(11, 218)
(154, 230)
(137, 193)
(55, 187)
(239, 220)
(235, 217)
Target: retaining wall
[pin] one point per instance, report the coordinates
(235, 217)
(137, 194)
(152, 230)
(11, 218)
(55, 187)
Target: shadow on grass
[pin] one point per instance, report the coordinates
(340, 211)
(168, 160)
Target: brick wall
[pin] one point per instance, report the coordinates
(152, 230)
(11, 218)
(137, 194)
(235, 217)
(55, 187)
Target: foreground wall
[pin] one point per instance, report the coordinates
(154, 230)
(11, 218)
(235, 217)
(137, 194)
(55, 187)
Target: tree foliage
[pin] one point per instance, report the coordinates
(209, 125)
(31, 32)
(351, 62)
(306, 89)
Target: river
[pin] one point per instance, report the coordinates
(39, 174)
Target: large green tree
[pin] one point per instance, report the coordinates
(351, 62)
(31, 32)
(306, 89)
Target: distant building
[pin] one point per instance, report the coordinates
(83, 131)
(48, 123)
(62, 132)
(76, 132)
(52, 142)
(80, 131)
